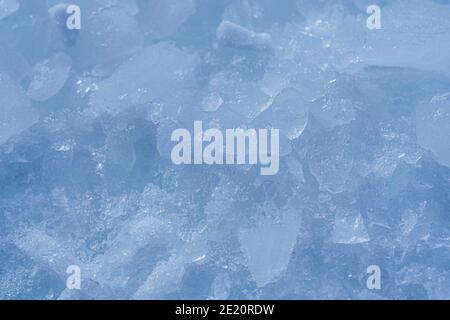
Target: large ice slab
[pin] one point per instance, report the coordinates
(156, 73)
(412, 34)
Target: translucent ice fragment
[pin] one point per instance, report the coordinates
(165, 17)
(334, 109)
(16, 113)
(413, 34)
(156, 73)
(288, 111)
(349, 227)
(107, 34)
(268, 247)
(164, 279)
(212, 103)
(49, 77)
(220, 288)
(230, 94)
(142, 239)
(331, 160)
(167, 275)
(8, 7)
(233, 35)
(433, 127)
(45, 249)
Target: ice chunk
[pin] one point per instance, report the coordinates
(14, 64)
(47, 250)
(167, 275)
(268, 247)
(163, 280)
(221, 287)
(142, 238)
(233, 35)
(433, 126)
(162, 18)
(16, 113)
(8, 7)
(156, 73)
(414, 34)
(237, 100)
(108, 32)
(120, 151)
(49, 77)
(331, 160)
(335, 108)
(288, 111)
(212, 102)
(349, 227)
(165, 129)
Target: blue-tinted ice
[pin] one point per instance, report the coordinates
(86, 177)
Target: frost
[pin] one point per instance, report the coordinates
(237, 36)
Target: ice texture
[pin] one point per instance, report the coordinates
(237, 36)
(8, 7)
(163, 18)
(86, 177)
(17, 113)
(411, 38)
(49, 76)
(158, 73)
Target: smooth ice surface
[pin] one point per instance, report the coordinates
(154, 74)
(86, 177)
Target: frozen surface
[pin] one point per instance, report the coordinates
(86, 177)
